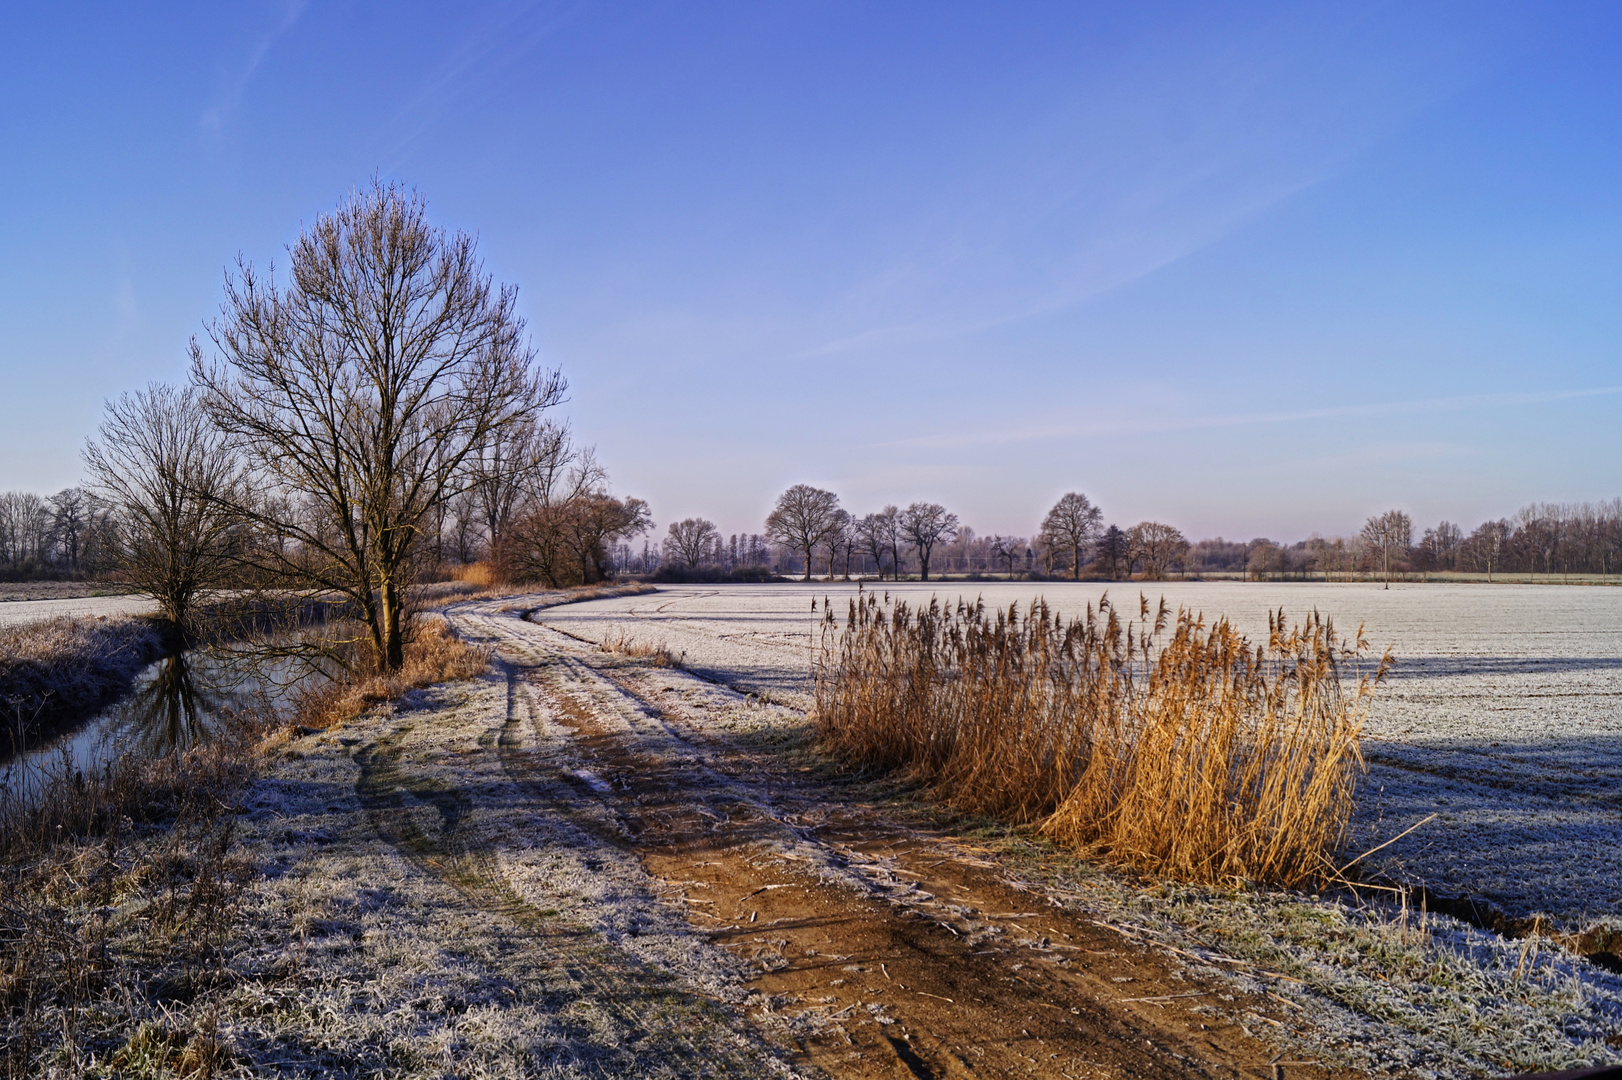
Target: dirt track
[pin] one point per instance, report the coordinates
(871, 946)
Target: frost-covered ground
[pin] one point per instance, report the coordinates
(1503, 716)
(22, 612)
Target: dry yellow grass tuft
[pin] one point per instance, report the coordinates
(481, 574)
(433, 655)
(624, 645)
(1163, 743)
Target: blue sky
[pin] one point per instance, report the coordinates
(1249, 269)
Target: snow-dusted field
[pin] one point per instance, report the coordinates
(1504, 714)
(21, 612)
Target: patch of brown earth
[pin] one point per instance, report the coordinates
(943, 970)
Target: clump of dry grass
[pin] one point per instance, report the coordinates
(64, 665)
(1164, 743)
(481, 574)
(433, 654)
(625, 645)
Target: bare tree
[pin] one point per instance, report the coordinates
(71, 511)
(361, 387)
(561, 536)
(163, 469)
(592, 522)
(803, 519)
(924, 525)
(889, 524)
(1156, 546)
(510, 465)
(25, 528)
(1389, 534)
(872, 537)
(1071, 525)
(1006, 549)
(691, 541)
(1112, 548)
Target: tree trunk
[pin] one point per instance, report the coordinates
(393, 652)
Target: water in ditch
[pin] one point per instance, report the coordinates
(174, 704)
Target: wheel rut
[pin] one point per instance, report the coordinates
(650, 1015)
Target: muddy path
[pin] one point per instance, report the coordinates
(869, 943)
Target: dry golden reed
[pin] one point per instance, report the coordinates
(1164, 743)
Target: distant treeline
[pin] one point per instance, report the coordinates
(69, 534)
(808, 533)
(569, 529)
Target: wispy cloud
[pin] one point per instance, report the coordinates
(493, 43)
(214, 117)
(1138, 426)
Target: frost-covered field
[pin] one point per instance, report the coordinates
(1504, 714)
(22, 612)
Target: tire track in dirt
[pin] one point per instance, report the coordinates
(655, 1019)
(877, 950)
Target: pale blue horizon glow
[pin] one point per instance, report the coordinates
(1261, 270)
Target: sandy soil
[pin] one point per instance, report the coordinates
(1500, 717)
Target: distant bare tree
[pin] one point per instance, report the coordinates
(837, 537)
(1389, 534)
(1113, 548)
(361, 387)
(1441, 546)
(691, 541)
(1156, 547)
(592, 521)
(924, 525)
(1006, 549)
(561, 536)
(25, 528)
(511, 464)
(872, 537)
(164, 470)
(71, 510)
(803, 519)
(1071, 526)
(846, 540)
(889, 525)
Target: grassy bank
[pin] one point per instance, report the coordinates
(65, 666)
(119, 891)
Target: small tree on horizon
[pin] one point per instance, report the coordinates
(1112, 548)
(803, 519)
(1388, 534)
(691, 541)
(1071, 525)
(1157, 546)
(924, 525)
(873, 534)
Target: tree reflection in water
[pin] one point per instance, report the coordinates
(175, 710)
